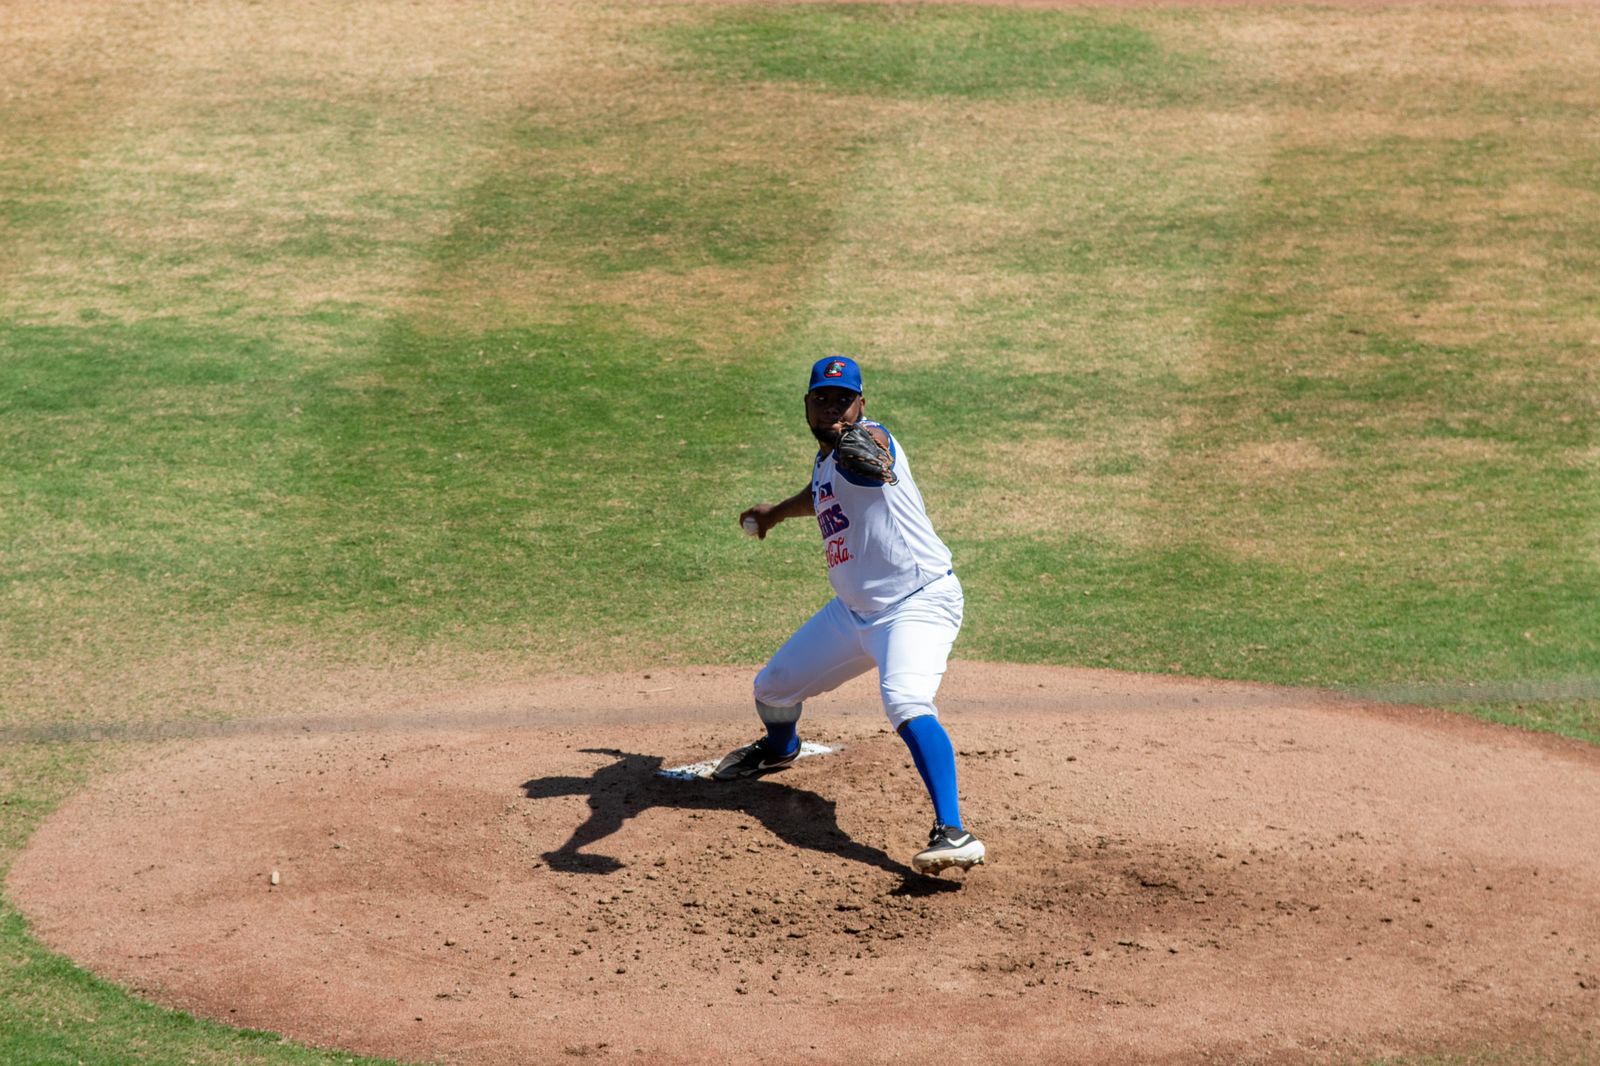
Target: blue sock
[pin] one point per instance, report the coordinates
(782, 737)
(936, 762)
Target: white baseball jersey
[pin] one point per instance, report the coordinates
(878, 542)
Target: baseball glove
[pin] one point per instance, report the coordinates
(859, 452)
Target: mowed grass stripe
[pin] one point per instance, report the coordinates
(923, 51)
(1401, 395)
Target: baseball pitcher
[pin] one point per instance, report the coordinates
(897, 605)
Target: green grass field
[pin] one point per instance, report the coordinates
(341, 348)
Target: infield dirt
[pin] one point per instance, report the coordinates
(1178, 869)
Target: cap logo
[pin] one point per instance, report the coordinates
(835, 370)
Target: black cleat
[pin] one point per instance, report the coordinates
(948, 846)
(752, 760)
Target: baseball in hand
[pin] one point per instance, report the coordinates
(751, 526)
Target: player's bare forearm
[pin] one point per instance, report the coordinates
(766, 515)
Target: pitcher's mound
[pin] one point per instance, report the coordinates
(1175, 869)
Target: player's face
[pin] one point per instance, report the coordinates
(828, 408)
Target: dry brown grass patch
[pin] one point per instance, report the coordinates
(238, 129)
(1363, 53)
(1274, 459)
(1012, 218)
(1061, 487)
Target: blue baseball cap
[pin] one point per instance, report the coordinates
(835, 372)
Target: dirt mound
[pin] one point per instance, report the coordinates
(1176, 869)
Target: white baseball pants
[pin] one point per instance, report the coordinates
(909, 643)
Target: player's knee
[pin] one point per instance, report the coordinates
(775, 687)
(902, 712)
(905, 696)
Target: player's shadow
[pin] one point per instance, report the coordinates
(624, 788)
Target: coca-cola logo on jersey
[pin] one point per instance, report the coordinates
(837, 553)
